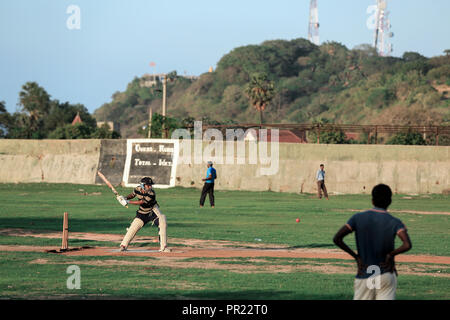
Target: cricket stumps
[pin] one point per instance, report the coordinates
(65, 234)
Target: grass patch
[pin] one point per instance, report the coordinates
(238, 216)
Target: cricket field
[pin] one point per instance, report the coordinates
(248, 247)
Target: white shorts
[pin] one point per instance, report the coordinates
(382, 288)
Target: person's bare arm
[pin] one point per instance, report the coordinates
(208, 178)
(130, 196)
(339, 241)
(138, 202)
(389, 263)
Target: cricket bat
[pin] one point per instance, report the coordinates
(108, 184)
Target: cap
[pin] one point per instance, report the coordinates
(147, 180)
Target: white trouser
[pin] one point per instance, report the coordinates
(382, 287)
(137, 224)
(162, 228)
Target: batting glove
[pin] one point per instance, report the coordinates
(124, 202)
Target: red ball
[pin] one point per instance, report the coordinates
(297, 220)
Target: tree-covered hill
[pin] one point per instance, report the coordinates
(311, 82)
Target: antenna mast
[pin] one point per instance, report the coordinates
(313, 30)
(383, 32)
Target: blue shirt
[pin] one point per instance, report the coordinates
(320, 175)
(375, 232)
(211, 171)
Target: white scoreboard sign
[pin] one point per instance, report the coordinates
(154, 158)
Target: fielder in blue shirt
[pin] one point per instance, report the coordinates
(208, 188)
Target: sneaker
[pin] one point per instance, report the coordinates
(165, 250)
(122, 248)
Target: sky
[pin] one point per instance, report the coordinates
(118, 39)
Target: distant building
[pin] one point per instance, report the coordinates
(149, 80)
(113, 126)
(284, 136)
(190, 77)
(352, 136)
(77, 119)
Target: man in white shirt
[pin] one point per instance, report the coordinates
(320, 176)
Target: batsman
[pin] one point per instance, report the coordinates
(148, 212)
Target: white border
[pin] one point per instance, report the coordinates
(126, 169)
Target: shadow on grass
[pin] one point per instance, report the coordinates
(108, 225)
(75, 225)
(305, 246)
(211, 295)
(314, 245)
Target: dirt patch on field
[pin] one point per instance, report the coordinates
(16, 232)
(240, 257)
(195, 248)
(258, 266)
(423, 212)
(223, 253)
(403, 211)
(174, 262)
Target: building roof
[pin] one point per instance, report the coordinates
(77, 119)
(284, 136)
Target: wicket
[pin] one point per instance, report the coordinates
(65, 234)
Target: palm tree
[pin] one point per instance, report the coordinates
(35, 101)
(260, 91)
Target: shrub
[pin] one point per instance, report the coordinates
(410, 138)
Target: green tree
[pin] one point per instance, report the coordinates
(5, 120)
(35, 102)
(410, 138)
(69, 131)
(61, 114)
(170, 124)
(104, 132)
(412, 56)
(328, 136)
(333, 137)
(260, 91)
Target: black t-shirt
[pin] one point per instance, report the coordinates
(375, 232)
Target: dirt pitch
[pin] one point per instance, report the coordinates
(224, 255)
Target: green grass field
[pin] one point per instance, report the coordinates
(247, 217)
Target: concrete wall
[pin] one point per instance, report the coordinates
(349, 168)
(56, 161)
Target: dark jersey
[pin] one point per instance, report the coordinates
(149, 198)
(375, 232)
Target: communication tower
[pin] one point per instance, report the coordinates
(313, 30)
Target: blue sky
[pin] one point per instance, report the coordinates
(118, 39)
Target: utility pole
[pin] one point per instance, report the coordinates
(164, 95)
(164, 104)
(150, 122)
